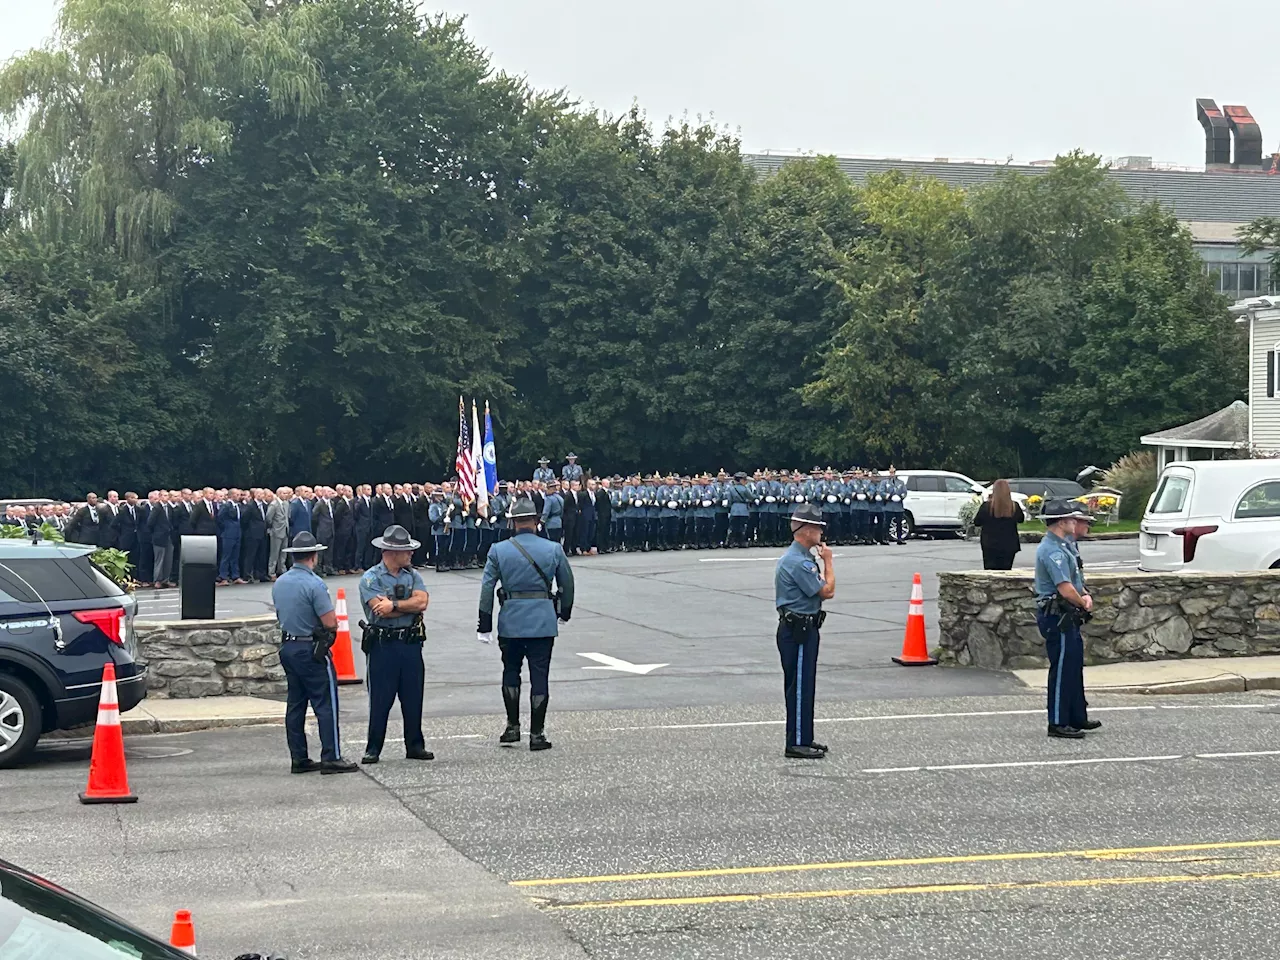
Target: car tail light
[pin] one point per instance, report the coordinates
(1189, 537)
(109, 621)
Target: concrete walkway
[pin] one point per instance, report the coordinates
(207, 713)
(1226, 675)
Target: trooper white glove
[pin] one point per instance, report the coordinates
(485, 637)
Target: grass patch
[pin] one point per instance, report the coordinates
(1120, 526)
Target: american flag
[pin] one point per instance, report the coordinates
(463, 462)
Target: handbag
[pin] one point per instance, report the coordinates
(551, 594)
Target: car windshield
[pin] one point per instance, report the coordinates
(40, 922)
(1172, 495)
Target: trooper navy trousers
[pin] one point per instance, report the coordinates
(314, 683)
(798, 648)
(395, 669)
(1065, 650)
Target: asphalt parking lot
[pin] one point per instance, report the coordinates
(666, 822)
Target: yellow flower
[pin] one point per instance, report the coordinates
(1035, 498)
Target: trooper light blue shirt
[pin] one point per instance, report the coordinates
(526, 617)
(301, 599)
(378, 581)
(796, 581)
(1055, 564)
(553, 511)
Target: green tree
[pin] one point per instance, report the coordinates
(887, 378)
(131, 95)
(348, 274)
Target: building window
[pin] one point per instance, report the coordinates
(1236, 281)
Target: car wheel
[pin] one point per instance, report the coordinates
(20, 721)
(911, 524)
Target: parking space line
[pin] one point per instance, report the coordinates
(1099, 853)
(1005, 764)
(922, 889)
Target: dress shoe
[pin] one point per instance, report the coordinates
(818, 746)
(1066, 733)
(337, 766)
(369, 758)
(511, 734)
(1091, 725)
(805, 753)
(303, 766)
(422, 754)
(538, 741)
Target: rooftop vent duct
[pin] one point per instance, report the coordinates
(1248, 136)
(1217, 134)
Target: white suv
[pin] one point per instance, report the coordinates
(935, 498)
(1219, 515)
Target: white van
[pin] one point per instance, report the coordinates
(1219, 515)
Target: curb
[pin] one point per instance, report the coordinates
(1028, 537)
(1222, 683)
(144, 725)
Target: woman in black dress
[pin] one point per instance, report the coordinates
(999, 518)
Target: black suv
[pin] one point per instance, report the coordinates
(61, 620)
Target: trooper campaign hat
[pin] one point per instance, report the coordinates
(808, 513)
(1055, 510)
(571, 456)
(396, 537)
(305, 542)
(739, 475)
(522, 508)
(543, 460)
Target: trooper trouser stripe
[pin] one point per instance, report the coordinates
(1065, 689)
(798, 651)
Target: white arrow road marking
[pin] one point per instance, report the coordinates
(613, 663)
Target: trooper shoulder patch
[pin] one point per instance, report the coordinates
(810, 566)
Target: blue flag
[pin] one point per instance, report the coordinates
(490, 459)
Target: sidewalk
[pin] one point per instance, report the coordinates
(1224, 675)
(207, 713)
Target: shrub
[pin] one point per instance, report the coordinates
(1134, 475)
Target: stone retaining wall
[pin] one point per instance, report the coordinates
(987, 617)
(208, 658)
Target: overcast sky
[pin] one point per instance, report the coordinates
(910, 78)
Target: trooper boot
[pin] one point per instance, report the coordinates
(537, 719)
(511, 697)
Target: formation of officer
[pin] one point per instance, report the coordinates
(308, 628)
(533, 583)
(394, 599)
(800, 586)
(1063, 604)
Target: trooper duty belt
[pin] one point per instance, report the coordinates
(410, 634)
(805, 620)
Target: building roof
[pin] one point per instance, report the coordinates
(1192, 195)
(1228, 427)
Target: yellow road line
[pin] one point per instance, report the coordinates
(889, 891)
(900, 862)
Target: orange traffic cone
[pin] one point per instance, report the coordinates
(183, 935)
(915, 650)
(108, 781)
(343, 663)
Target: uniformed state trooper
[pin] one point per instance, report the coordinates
(526, 566)
(570, 471)
(739, 496)
(544, 473)
(668, 497)
(876, 497)
(553, 513)
(799, 589)
(308, 627)
(436, 513)
(861, 512)
(394, 598)
(499, 504)
(720, 528)
(894, 510)
(1062, 605)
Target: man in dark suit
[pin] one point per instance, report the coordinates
(384, 510)
(109, 514)
(300, 512)
(146, 555)
(126, 526)
(160, 525)
(344, 530)
(322, 526)
(85, 524)
(363, 511)
(229, 538)
(421, 525)
(181, 504)
(204, 515)
(403, 510)
(604, 516)
(253, 538)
